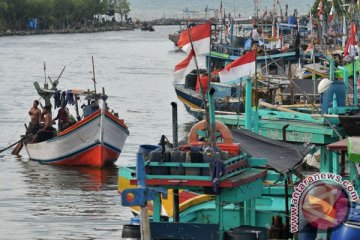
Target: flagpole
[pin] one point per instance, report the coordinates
(255, 80)
(211, 127)
(201, 88)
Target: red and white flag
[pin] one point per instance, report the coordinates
(350, 45)
(331, 15)
(310, 48)
(241, 67)
(200, 37)
(265, 13)
(184, 67)
(320, 10)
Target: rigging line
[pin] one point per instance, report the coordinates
(16, 132)
(307, 98)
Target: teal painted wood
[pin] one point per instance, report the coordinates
(243, 192)
(126, 172)
(157, 208)
(303, 117)
(178, 164)
(179, 177)
(296, 132)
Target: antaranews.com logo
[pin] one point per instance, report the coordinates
(324, 200)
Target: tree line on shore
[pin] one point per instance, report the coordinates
(58, 14)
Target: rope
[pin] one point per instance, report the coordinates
(307, 98)
(16, 132)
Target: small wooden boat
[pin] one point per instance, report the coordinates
(96, 140)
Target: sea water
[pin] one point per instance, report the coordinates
(136, 68)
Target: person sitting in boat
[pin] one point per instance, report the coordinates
(70, 117)
(89, 109)
(94, 106)
(47, 131)
(215, 74)
(62, 119)
(35, 119)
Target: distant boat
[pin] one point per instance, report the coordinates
(147, 27)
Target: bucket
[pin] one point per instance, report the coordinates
(204, 80)
(145, 149)
(351, 228)
(348, 230)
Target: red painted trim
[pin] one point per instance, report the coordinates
(80, 123)
(246, 180)
(239, 164)
(91, 117)
(96, 157)
(203, 183)
(116, 119)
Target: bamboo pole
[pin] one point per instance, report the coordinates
(275, 107)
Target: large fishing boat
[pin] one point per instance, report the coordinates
(224, 48)
(251, 188)
(274, 208)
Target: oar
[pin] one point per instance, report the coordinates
(20, 145)
(18, 148)
(13, 144)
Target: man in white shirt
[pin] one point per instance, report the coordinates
(255, 37)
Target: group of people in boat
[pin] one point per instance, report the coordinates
(41, 128)
(40, 125)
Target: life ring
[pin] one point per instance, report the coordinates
(220, 127)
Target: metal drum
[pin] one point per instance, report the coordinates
(350, 230)
(145, 149)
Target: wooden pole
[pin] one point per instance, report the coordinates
(176, 143)
(93, 66)
(144, 223)
(276, 107)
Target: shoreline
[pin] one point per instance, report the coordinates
(10, 33)
(93, 29)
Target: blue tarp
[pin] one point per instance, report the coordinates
(32, 23)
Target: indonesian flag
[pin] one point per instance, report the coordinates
(350, 45)
(320, 10)
(241, 67)
(184, 67)
(310, 48)
(331, 15)
(221, 8)
(200, 37)
(265, 13)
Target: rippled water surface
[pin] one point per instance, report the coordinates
(50, 202)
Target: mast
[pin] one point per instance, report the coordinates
(201, 87)
(93, 66)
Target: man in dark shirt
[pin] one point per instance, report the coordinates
(62, 118)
